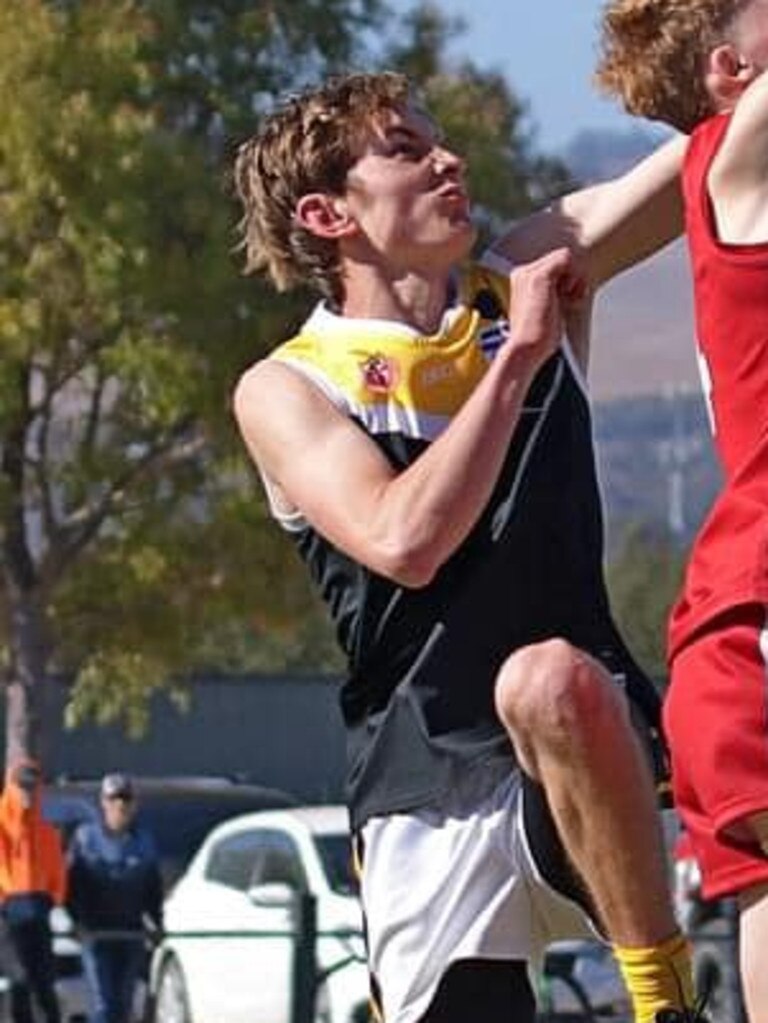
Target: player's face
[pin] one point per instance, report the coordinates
(408, 195)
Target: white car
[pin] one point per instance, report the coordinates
(213, 967)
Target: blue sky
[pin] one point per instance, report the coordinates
(546, 49)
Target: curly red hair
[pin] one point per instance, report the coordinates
(652, 55)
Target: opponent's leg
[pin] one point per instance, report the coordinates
(753, 939)
(715, 715)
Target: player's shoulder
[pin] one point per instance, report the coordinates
(258, 386)
(261, 374)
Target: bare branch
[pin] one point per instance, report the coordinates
(83, 524)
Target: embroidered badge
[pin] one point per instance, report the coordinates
(380, 373)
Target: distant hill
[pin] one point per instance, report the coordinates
(656, 461)
(597, 154)
(644, 330)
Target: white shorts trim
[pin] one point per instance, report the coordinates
(456, 883)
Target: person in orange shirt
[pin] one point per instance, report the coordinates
(32, 880)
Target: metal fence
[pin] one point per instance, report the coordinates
(306, 975)
(714, 941)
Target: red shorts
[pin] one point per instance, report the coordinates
(716, 723)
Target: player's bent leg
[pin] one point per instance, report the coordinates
(753, 927)
(487, 990)
(570, 724)
(571, 728)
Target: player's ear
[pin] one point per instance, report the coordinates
(324, 215)
(727, 73)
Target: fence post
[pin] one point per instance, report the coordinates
(304, 977)
(735, 1001)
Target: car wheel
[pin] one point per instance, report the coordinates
(171, 1001)
(362, 1013)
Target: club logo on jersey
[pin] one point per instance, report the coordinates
(380, 373)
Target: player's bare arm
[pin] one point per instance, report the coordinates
(738, 180)
(608, 227)
(401, 525)
(612, 225)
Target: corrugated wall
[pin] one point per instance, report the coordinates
(284, 732)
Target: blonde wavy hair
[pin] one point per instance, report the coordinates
(306, 145)
(652, 55)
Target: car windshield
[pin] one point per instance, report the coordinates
(336, 856)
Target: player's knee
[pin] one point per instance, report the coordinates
(532, 681)
(552, 692)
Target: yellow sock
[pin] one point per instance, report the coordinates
(659, 977)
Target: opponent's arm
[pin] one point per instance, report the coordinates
(738, 179)
(609, 226)
(401, 525)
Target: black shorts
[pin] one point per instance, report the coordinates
(491, 990)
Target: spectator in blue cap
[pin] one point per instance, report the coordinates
(115, 898)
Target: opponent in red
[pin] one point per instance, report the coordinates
(700, 67)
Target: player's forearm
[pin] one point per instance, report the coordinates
(620, 222)
(428, 511)
(446, 490)
(610, 226)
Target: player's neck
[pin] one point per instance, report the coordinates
(411, 298)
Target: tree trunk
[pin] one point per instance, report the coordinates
(25, 675)
(26, 680)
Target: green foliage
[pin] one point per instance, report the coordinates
(132, 534)
(644, 577)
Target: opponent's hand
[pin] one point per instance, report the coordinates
(539, 293)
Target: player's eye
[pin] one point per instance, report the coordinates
(406, 149)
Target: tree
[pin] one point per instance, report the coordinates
(132, 543)
(644, 577)
(122, 325)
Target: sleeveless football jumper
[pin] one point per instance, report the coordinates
(716, 708)
(422, 662)
(729, 561)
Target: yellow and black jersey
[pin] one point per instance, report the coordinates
(422, 662)
(393, 380)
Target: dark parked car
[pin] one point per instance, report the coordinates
(179, 811)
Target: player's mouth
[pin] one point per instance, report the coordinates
(456, 197)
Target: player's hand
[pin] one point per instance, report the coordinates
(539, 293)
